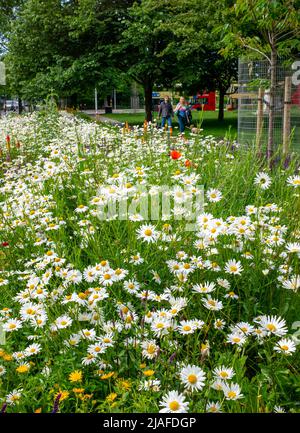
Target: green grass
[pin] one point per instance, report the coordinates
(211, 124)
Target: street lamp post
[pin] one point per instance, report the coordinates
(96, 103)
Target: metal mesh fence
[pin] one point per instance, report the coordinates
(252, 76)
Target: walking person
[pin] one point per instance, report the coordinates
(183, 113)
(165, 111)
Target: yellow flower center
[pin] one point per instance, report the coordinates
(271, 327)
(231, 394)
(159, 325)
(148, 232)
(174, 405)
(187, 328)
(284, 347)
(192, 378)
(224, 374)
(151, 349)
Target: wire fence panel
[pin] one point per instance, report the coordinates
(254, 75)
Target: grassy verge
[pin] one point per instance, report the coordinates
(210, 124)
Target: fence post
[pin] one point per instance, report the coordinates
(287, 115)
(259, 120)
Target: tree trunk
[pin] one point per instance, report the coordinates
(148, 86)
(221, 104)
(270, 148)
(20, 105)
(73, 100)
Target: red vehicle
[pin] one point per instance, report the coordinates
(206, 99)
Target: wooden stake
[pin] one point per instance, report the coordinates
(259, 120)
(287, 115)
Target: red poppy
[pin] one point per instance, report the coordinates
(5, 244)
(174, 154)
(188, 163)
(8, 139)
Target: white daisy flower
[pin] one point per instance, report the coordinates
(147, 233)
(294, 181)
(233, 267)
(273, 325)
(263, 180)
(285, 346)
(174, 402)
(223, 373)
(192, 377)
(213, 407)
(232, 391)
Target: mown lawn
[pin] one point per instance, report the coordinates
(210, 124)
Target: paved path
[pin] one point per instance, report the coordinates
(109, 120)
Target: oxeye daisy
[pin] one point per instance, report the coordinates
(263, 180)
(2, 370)
(136, 259)
(186, 327)
(214, 195)
(13, 397)
(150, 349)
(148, 233)
(233, 267)
(236, 338)
(294, 181)
(192, 377)
(96, 349)
(63, 322)
(219, 324)
(107, 278)
(12, 325)
(279, 409)
(174, 402)
(212, 304)
(293, 247)
(213, 407)
(273, 325)
(285, 346)
(293, 283)
(206, 287)
(223, 373)
(232, 391)
(33, 349)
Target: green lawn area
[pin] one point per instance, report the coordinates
(210, 123)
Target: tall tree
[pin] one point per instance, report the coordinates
(197, 44)
(142, 47)
(268, 28)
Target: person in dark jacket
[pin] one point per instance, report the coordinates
(165, 111)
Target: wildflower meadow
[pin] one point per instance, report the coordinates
(115, 300)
